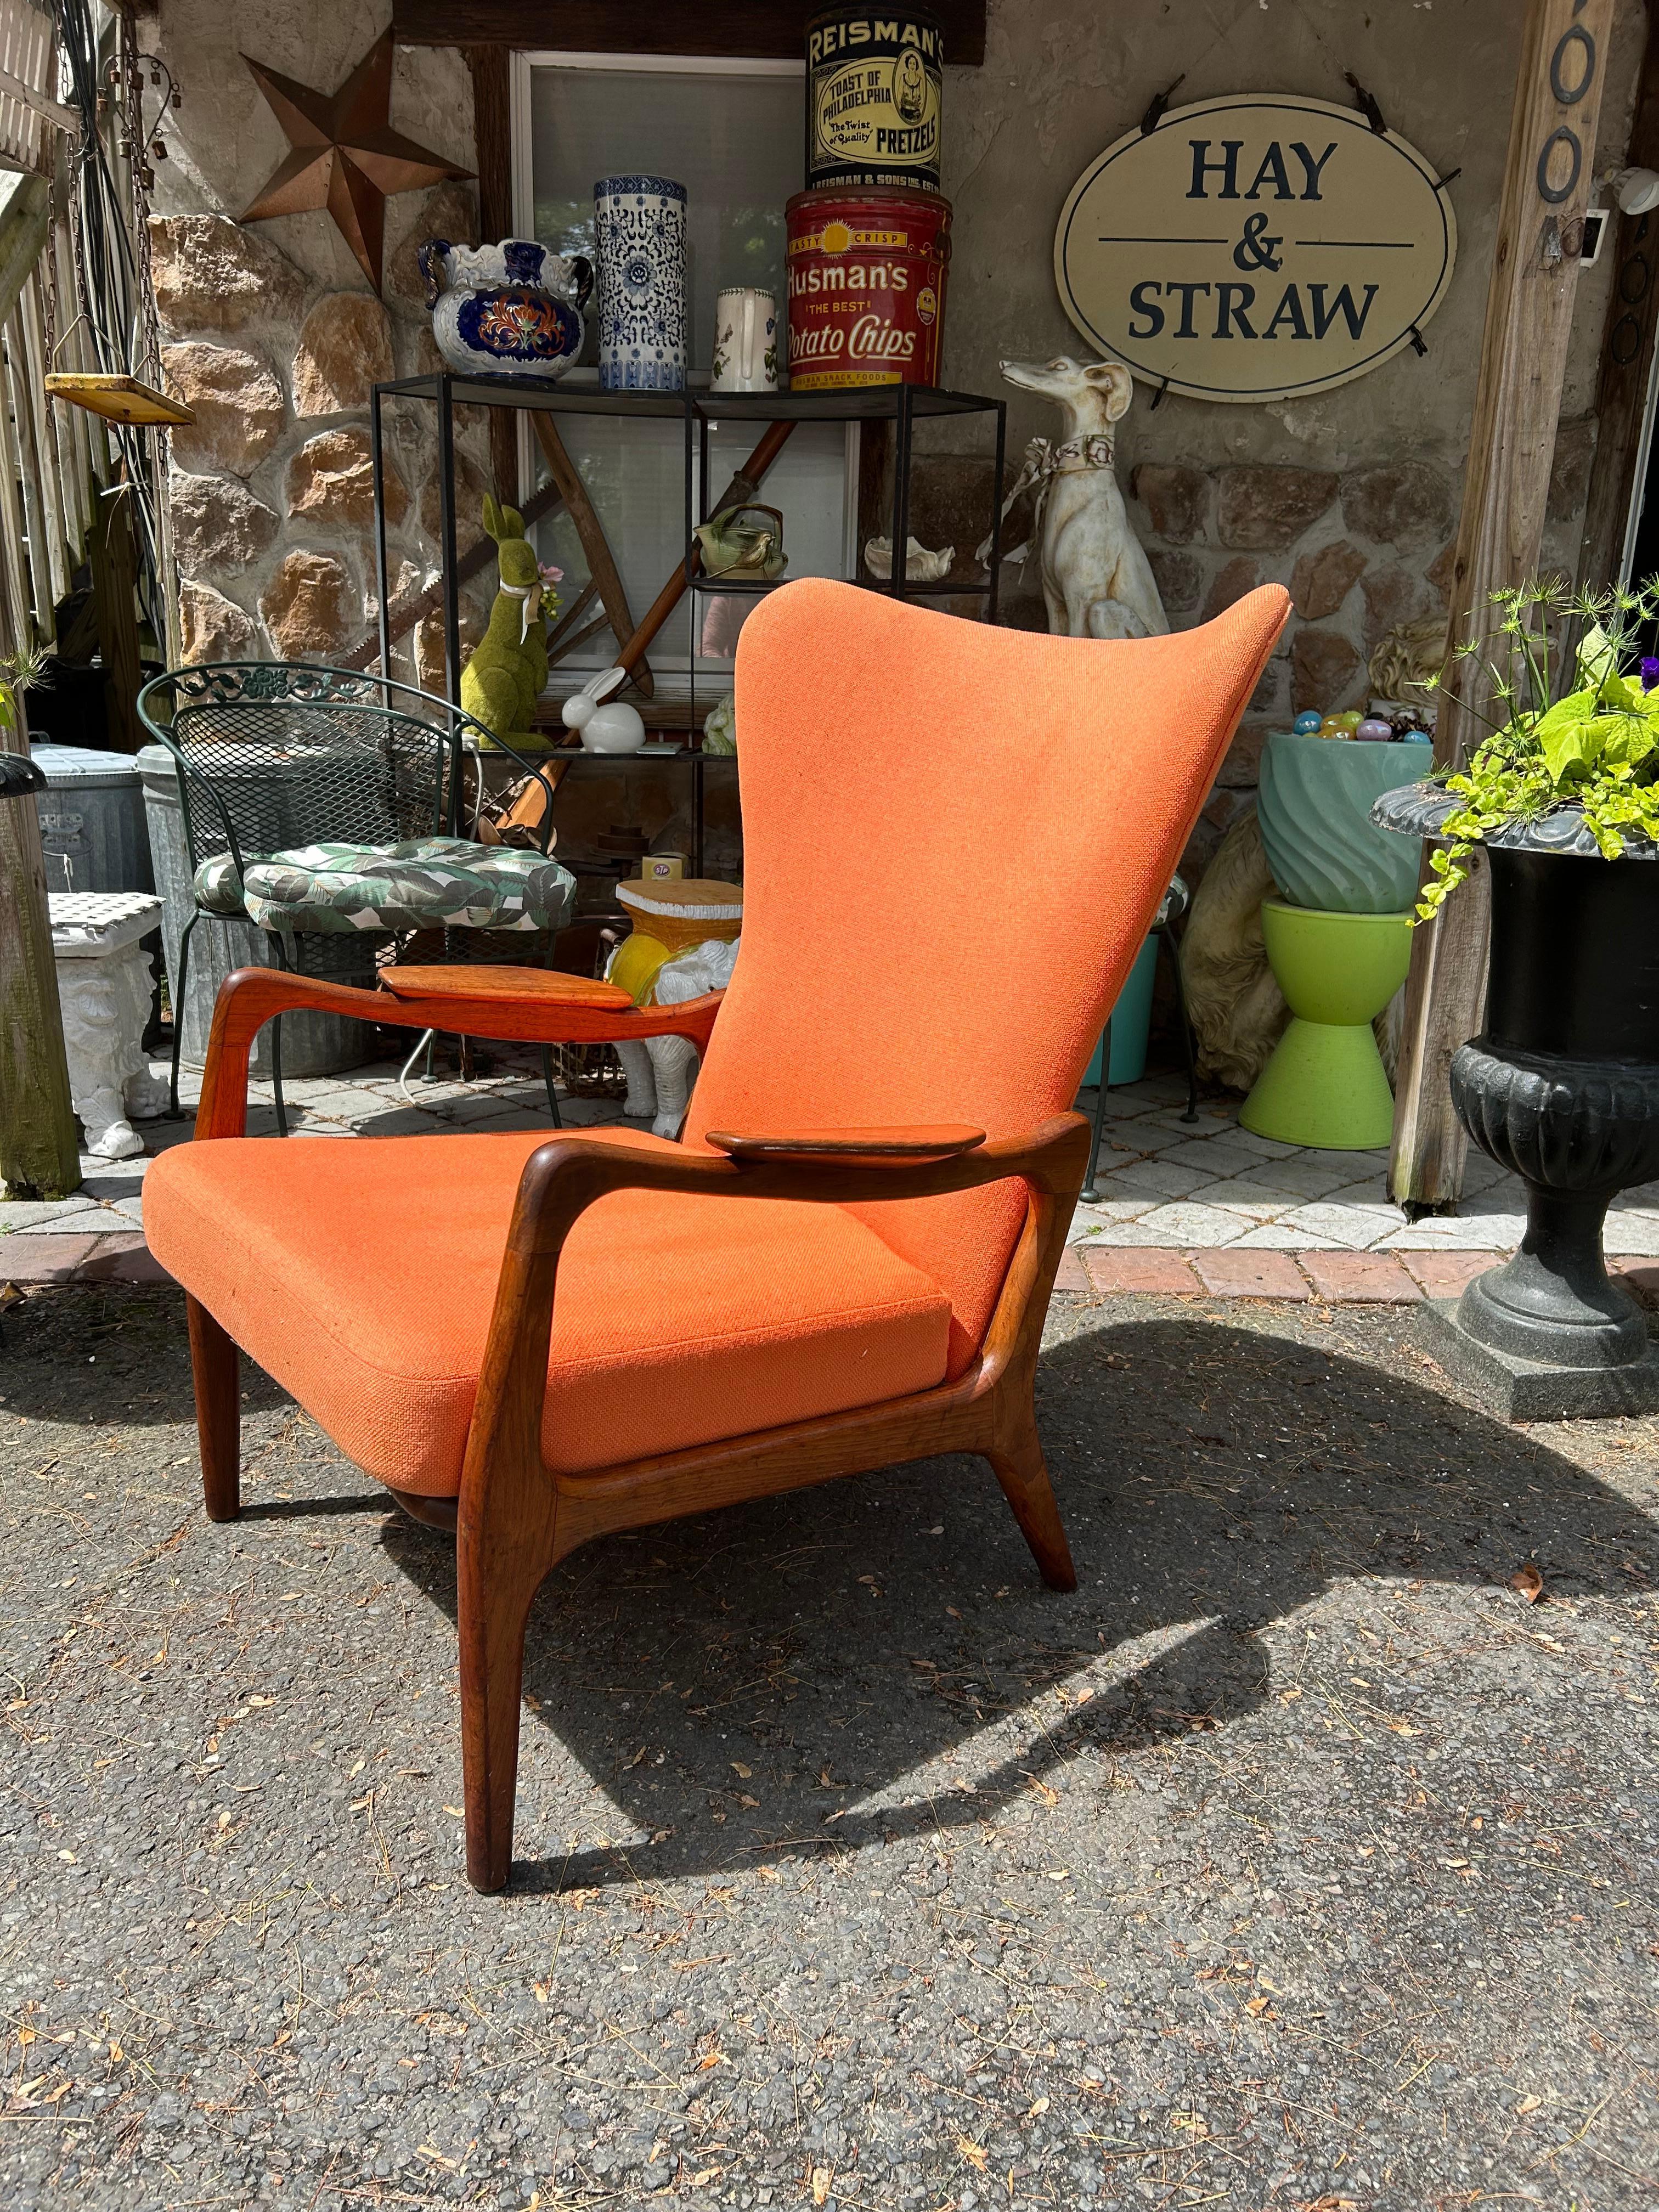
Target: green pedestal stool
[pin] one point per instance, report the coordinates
(1325, 1084)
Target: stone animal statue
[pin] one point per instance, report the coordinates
(660, 1070)
(1406, 658)
(1096, 580)
(503, 679)
(1237, 1009)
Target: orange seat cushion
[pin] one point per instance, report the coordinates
(361, 1275)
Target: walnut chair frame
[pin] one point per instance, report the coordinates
(515, 1518)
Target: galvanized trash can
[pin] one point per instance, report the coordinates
(93, 831)
(313, 1044)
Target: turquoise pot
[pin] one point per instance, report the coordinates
(1315, 805)
(1132, 1021)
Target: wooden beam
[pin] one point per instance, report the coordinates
(1626, 350)
(24, 220)
(601, 564)
(1529, 304)
(39, 1156)
(770, 29)
(492, 133)
(114, 581)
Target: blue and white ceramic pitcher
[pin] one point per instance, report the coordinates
(639, 229)
(508, 310)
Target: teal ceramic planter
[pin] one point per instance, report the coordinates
(1132, 1021)
(1314, 805)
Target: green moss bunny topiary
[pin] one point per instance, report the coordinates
(502, 681)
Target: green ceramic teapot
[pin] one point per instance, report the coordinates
(733, 547)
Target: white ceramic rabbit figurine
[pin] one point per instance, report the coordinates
(612, 727)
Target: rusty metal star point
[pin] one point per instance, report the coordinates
(344, 155)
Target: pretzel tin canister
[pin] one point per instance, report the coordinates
(866, 288)
(873, 85)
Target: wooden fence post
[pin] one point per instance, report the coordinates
(39, 1156)
(114, 566)
(1622, 391)
(1530, 303)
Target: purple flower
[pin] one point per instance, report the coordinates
(1649, 674)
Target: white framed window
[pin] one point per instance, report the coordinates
(731, 132)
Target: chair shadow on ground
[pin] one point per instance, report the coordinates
(730, 1682)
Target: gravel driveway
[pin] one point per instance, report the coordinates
(1296, 1862)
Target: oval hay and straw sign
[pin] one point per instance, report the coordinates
(1256, 247)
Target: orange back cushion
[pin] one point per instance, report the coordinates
(957, 837)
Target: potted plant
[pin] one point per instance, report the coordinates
(1562, 1085)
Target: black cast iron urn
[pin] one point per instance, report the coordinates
(1562, 1086)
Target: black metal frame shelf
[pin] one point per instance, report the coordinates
(902, 404)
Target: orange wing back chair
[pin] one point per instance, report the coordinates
(957, 837)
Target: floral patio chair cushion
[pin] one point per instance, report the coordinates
(217, 886)
(427, 882)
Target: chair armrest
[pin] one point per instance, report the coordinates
(248, 999)
(564, 1176)
(924, 1141)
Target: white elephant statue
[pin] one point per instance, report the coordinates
(660, 1070)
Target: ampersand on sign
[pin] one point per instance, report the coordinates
(1253, 251)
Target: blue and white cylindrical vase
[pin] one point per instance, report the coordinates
(639, 228)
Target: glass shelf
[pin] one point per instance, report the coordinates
(877, 402)
(744, 587)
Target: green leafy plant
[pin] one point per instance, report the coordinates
(18, 670)
(1596, 748)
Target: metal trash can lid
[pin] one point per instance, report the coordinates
(84, 766)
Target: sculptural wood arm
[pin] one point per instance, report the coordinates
(917, 1141)
(248, 999)
(564, 1176)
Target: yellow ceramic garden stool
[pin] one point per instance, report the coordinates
(670, 918)
(684, 942)
(1326, 1085)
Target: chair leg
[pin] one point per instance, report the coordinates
(552, 1091)
(276, 1074)
(1020, 1468)
(215, 1366)
(1168, 938)
(1089, 1190)
(179, 1011)
(280, 951)
(494, 1612)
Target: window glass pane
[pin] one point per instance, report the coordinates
(734, 142)
(635, 472)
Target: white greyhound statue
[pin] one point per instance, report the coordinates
(1096, 580)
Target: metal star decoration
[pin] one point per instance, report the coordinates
(344, 156)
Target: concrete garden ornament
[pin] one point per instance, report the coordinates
(683, 943)
(104, 989)
(1096, 580)
(502, 683)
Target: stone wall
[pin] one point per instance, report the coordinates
(272, 335)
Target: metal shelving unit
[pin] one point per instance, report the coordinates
(903, 406)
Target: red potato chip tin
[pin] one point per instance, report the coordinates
(866, 288)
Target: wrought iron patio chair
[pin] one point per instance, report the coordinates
(329, 808)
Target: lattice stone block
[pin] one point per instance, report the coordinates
(103, 987)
